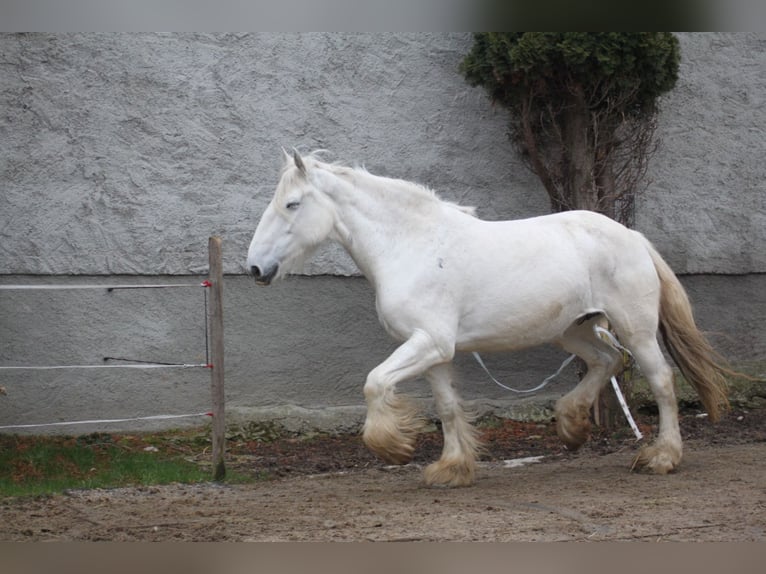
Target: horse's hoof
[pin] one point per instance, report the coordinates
(450, 473)
(392, 432)
(656, 459)
(573, 426)
(392, 449)
(400, 457)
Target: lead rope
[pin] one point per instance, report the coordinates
(617, 391)
(522, 391)
(620, 397)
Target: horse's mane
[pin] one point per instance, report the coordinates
(359, 175)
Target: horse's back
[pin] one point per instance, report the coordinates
(536, 276)
(567, 242)
(592, 249)
(577, 225)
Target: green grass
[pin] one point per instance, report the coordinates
(48, 465)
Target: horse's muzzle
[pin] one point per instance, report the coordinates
(264, 276)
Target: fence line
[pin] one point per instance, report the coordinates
(107, 287)
(106, 421)
(213, 333)
(215, 279)
(141, 366)
(135, 363)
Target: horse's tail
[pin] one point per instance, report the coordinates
(700, 364)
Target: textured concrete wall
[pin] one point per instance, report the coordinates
(125, 152)
(706, 206)
(122, 153)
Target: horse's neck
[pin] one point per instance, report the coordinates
(372, 215)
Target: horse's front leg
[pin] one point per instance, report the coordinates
(457, 465)
(392, 423)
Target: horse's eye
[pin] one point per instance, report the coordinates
(293, 205)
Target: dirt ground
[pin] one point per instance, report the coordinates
(332, 489)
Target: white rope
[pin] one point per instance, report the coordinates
(142, 366)
(79, 286)
(612, 339)
(617, 391)
(626, 410)
(104, 421)
(522, 391)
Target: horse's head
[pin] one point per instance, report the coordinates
(298, 219)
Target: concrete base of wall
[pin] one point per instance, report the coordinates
(297, 353)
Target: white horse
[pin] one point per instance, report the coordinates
(446, 281)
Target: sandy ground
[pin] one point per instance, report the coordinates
(719, 494)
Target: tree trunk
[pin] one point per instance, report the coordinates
(578, 153)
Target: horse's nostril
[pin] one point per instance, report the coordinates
(263, 276)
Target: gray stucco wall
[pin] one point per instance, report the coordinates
(705, 208)
(122, 153)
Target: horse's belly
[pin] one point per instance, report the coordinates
(517, 320)
(509, 335)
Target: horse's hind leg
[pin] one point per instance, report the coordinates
(664, 454)
(457, 465)
(603, 361)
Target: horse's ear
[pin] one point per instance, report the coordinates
(299, 162)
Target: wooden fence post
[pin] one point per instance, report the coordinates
(216, 356)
